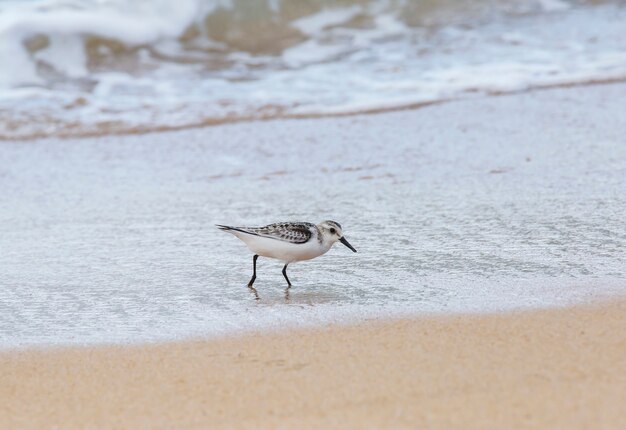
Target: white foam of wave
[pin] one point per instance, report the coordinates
(135, 23)
(334, 68)
(66, 54)
(147, 22)
(554, 5)
(322, 45)
(314, 24)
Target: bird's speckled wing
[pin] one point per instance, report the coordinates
(293, 232)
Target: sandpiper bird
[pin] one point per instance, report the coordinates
(289, 241)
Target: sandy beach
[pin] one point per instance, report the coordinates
(548, 369)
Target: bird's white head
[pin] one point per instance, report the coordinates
(331, 233)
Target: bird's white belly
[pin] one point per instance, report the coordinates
(285, 251)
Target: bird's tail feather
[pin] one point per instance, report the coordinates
(236, 230)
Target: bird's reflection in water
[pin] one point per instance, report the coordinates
(295, 296)
(255, 292)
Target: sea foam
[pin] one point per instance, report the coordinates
(121, 67)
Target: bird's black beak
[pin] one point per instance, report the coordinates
(345, 242)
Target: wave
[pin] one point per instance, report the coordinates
(86, 67)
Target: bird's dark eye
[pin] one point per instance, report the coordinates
(333, 231)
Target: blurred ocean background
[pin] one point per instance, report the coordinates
(87, 67)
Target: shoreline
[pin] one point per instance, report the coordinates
(216, 122)
(556, 368)
(339, 321)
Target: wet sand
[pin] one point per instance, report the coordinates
(547, 369)
(481, 205)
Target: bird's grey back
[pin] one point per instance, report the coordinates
(294, 232)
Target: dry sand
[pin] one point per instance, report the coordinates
(549, 369)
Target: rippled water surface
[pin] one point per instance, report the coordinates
(501, 203)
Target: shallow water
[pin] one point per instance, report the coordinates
(485, 205)
(85, 67)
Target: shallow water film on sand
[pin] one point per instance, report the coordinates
(473, 206)
(86, 67)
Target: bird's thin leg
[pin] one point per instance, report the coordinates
(285, 275)
(253, 271)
